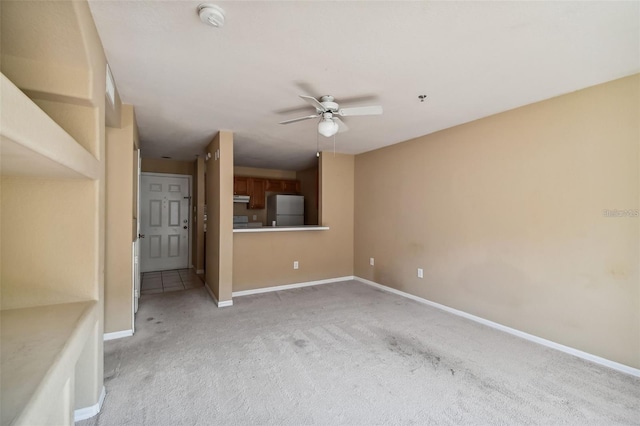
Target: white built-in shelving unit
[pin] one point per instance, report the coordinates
(48, 328)
(34, 145)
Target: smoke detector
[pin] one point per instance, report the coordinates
(211, 14)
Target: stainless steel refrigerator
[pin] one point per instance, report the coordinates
(285, 210)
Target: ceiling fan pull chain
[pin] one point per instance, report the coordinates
(317, 145)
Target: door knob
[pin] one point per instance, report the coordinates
(185, 227)
(140, 235)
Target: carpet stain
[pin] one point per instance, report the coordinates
(452, 371)
(158, 322)
(150, 319)
(407, 349)
(300, 343)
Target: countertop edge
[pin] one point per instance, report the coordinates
(280, 229)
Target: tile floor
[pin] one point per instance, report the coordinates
(164, 281)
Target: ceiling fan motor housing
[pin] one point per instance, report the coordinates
(327, 102)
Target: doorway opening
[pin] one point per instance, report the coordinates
(167, 281)
(165, 202)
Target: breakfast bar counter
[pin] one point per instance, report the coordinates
(281, 229)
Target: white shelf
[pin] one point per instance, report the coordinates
(39, 348)
(281, 229)
(34, 145)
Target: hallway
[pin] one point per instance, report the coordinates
(166, 281)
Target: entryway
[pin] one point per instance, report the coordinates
(166, 281)
(164, 222)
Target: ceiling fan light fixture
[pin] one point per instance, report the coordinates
(327, 127)
(211, 14)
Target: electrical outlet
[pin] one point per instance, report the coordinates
(420, 273)
(255, 216)
(371, 261)
(295, 264)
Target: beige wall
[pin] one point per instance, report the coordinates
(120, 205)
(309, 189)
(241, 209)
(154, 165)
(255, 215)
(266, 259)
(38, 241)
(219, 238)
(505, 215)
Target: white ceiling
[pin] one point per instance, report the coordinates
(188, 80)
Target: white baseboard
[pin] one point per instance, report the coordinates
(224, 303)
(290, 286)
(118, 335)
(88, 412)
(566, 349)
(219, 304)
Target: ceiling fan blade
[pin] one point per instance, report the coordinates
(288, 111)
(341, 126)
(360, 99)
(314, 102)
(307, 89)
(367, 110)
(299, 119)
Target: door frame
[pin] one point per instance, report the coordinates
(137, 275)
(190, 179)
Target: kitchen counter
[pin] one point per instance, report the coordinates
(282, 229)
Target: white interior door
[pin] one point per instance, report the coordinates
(164, 222)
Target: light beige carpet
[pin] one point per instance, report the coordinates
(344, 354)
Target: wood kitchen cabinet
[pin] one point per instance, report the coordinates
(240, 185)
(287, 186)
(257, 189)
(274, 185)
(291, 186)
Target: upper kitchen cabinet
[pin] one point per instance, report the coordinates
(257, 192)
(291, 186)
(274, 185)
(240, 185)
(287, 186)
(257, 187)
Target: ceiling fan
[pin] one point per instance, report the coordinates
(329, 113)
